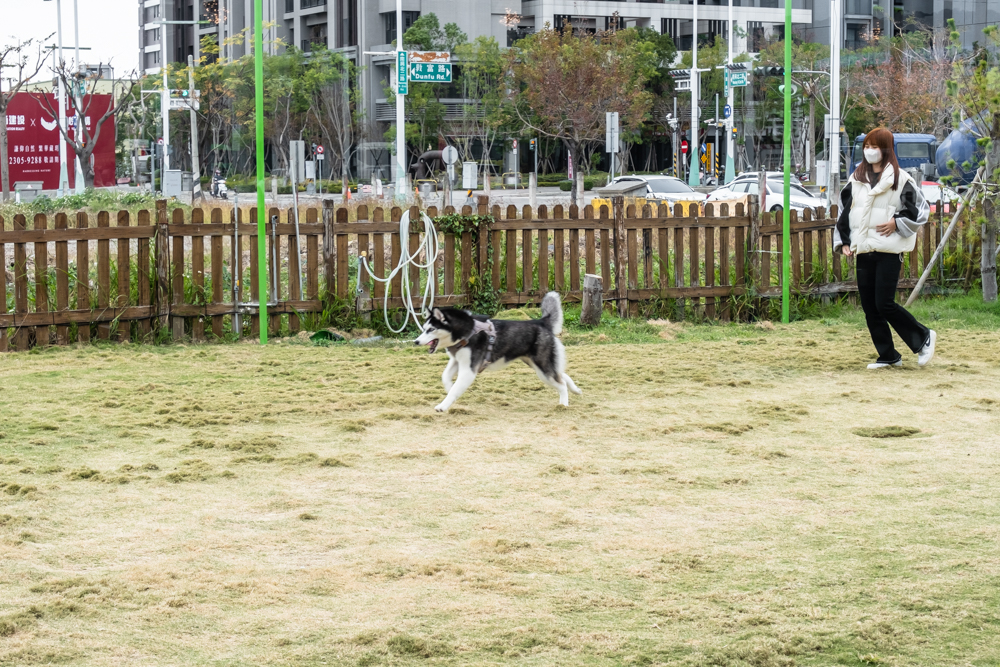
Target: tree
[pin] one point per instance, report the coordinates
(810, 74)
(563, 82)
(481, 80)
(14, 57)
(334, 104)
(974, 90)
(84, 139)
(899, 82)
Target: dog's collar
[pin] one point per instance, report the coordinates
(477, 328)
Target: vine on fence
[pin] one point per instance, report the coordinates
(484, 298)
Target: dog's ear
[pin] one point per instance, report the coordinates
(439, 316)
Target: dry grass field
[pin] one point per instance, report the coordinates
(715, 497)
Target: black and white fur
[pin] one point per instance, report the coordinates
(533, 341)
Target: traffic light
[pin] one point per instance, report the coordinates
(737, 67)
(182, 93)
(532, 145)
(680, 73)
(769, 71)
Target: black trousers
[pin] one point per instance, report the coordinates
(878, 277)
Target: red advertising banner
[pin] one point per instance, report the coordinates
(33, 140)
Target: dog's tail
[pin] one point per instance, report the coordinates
(552, 312)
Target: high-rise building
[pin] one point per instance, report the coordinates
(364, 31)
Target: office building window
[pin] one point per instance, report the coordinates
(307, 4)
(317, 36)
(151, 36)
(670, 27)
(150, 14)
(560, 21)
(756, 40)
(151, 59)
(389, 21)
(289, 6)
(858, 7)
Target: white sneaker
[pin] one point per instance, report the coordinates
(927, 351)
(882, 364)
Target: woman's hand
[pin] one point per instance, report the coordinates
(887, 228)
(846, 249)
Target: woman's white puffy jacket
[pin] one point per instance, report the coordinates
(864, 208)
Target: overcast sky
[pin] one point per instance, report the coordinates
(108, 27)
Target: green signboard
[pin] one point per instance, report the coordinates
(402, 87)
(430, 72)
(737, 79)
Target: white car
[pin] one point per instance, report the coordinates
(664, 188)
(800, 198)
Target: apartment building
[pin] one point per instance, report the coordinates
(365, 29)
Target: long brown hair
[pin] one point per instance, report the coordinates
(882, 139)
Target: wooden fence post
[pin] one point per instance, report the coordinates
(329, 247)
(621, 255)
(753, 243)
(593, 300)
(162, 260)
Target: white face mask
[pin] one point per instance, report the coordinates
(873, 155)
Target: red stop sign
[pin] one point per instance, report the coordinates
(684, 146)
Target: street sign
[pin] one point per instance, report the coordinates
(183, 104)
(514, 145)
(682, 84)
(449, 155)
(430, 57)
(737, 79)
(319, 153)
(684, 147)
(727, 111)
(402, 69)
(611, 132)
(430, 72)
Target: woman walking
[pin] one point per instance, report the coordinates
(881, 210)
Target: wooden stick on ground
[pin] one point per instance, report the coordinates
(944, 237)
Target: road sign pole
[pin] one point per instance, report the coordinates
(401, 185)
(786, 242)
(258, 59)
(730, 122)
(834, 155)
(195, 157)
(693, 176)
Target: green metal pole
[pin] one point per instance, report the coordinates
(786, 241)
(258, 61)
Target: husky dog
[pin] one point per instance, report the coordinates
(476, 343)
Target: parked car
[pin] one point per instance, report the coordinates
(774, 200)
(664, 188)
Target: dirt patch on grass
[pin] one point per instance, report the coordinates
(885, 431)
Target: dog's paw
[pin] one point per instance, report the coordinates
(441, 407)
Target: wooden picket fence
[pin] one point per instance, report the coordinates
(173, 275)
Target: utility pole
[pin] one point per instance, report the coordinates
(63, 172)
(693, 176)
(195, 161)
(401, 77)
(675, 142)
(165, 100)
(715, 150)
(78, 79)
(833, 190)
(730, 144)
